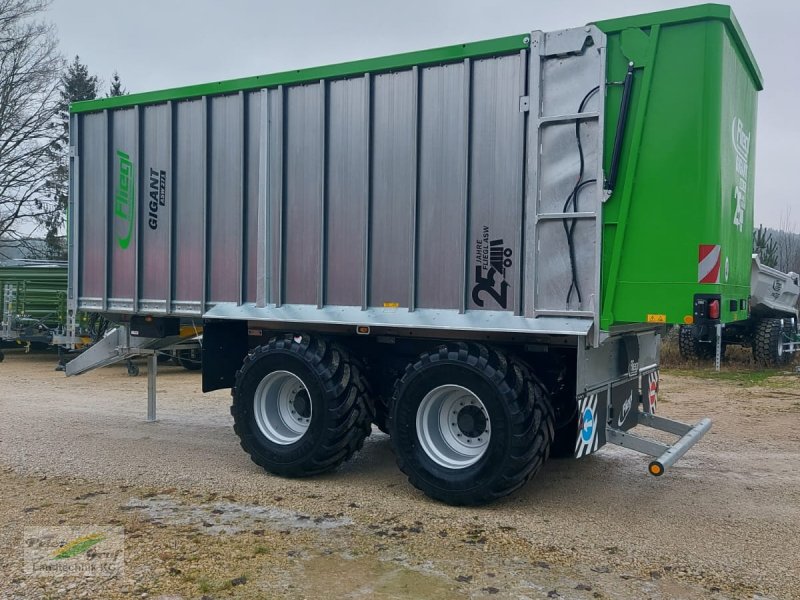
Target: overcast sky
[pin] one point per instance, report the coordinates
(160, 44)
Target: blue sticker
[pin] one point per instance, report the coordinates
(588, 425)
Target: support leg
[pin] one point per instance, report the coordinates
(718, 353)
(152, 372)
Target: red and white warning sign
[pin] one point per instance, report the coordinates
(708, 261)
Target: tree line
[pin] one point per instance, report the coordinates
(37, 85)
(779, 248)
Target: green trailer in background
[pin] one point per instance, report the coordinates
(33, 301)
(33, 307)
(474, 247)
(33, 313)
(772, 329)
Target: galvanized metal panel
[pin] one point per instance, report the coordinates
(560, 166)
(94, 205)
(554, 274)
(496, 169)
(223, 226)
(156, 197)
(393, 188)
(346, 195)
(401, 191)
(567, 77)
(253, 157)
(442, 173)
(189, 210)
(275, 183)
(73, 224)
(122, 242)
(303, 201)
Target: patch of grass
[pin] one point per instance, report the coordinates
(745, 377)
(205, 585)
(260, 550)
(224, 585)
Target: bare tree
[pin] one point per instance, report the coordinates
(30, 65)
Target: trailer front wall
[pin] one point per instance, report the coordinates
(680, 220)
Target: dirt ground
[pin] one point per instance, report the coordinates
(201, 521)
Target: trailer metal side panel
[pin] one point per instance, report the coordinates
(393, 190)
(346, 201)
(225, 205)
(122, 222)
(189, 209)
(94, 202)
(428, 191)
(303, 203)
(442, 189)
(251, 182)
(496, 171)
(155, 222)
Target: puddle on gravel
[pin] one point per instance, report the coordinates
(230, 517)
(337, 577)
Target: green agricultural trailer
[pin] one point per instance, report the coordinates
(33, 302)
(771, 330)
(474, 248)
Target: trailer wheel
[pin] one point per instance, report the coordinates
(691, 348)
(2, 356)
(469, 425)
(300, 406)
(191, 359)
(768, 343)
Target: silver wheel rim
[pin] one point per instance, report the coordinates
(282, 407)
(453, 426)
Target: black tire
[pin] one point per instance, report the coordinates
(337, 392)
(191, 359)
(767, 340)
(517, 407)
(133, 370)
(2, 356)
(691, 348)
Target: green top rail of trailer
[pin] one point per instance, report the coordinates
(674, 233)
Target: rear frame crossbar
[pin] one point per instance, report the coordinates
(665, 455)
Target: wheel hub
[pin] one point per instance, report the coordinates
(282, 407)
(453, 426)
(471, 421)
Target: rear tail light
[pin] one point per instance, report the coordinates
(713, 309)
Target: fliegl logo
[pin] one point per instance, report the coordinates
(741, 144)
(124, 201)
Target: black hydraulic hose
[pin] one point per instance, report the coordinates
(573, 198)
(624, 109)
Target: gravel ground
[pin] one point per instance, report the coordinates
(202, 521)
